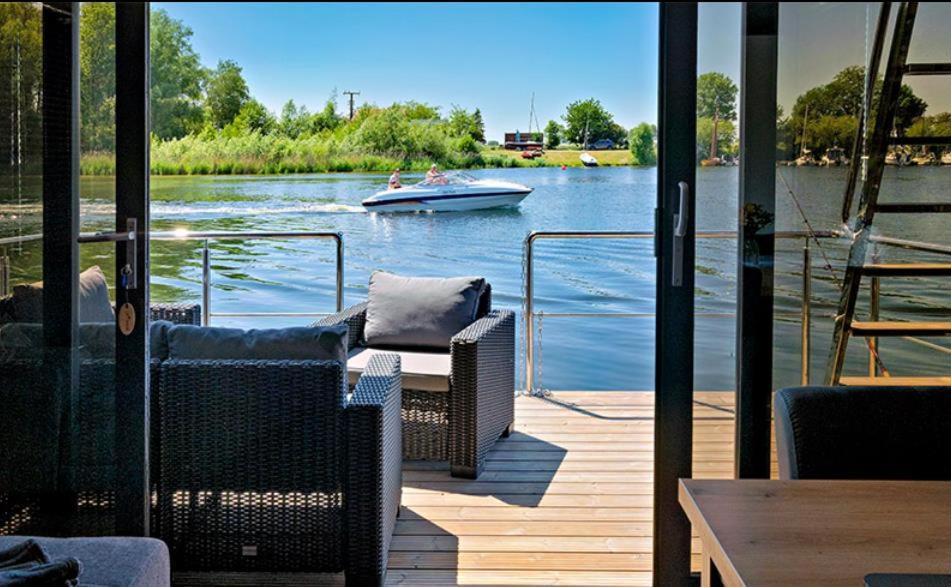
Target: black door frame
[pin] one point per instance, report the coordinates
(132, 202)
(756, 245)
(673, 367)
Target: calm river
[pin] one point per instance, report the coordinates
(576, 276)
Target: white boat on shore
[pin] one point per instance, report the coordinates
(450, 192)
(588, 160)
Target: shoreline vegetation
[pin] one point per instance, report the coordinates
(205, 120)
(229, 158)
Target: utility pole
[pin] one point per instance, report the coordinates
(351, 95)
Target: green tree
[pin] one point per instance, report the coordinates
(641, 141)
(726, 137)
(553, 132)
(462, 123)
(844, 97)
(479, 124)
(97, 67)
(252, 117)
(589, 115)
(294, 121)
(227, 93)
(326, 119)
(177, 77)
(716, 96)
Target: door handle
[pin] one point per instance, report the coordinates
(129, 273)
(681, 221)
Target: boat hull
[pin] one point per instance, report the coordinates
(445, 202)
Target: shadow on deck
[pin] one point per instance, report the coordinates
(566, 500)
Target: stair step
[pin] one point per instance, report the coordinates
(902, 381)
(907, 269)
(928, 69)
(901, 328)
(919, 140)
(915, 208)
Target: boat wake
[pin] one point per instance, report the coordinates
(170, 209)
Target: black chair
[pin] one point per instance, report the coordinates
(897, 433)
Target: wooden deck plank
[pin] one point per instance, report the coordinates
(566, 500)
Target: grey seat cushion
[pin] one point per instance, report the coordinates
(25, 304)
(327, 343)
(421, 370)
(419, 312)
(110, 562)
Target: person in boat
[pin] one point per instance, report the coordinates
(394, 183)
(433, 175)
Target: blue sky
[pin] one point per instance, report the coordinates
(494, 55)
(475, 55)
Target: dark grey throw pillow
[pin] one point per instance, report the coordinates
(26, 302)
(327, 343)
(419, 312)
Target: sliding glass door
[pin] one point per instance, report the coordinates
(714, 242)
(73, 271)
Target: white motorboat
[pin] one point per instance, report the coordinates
(450, 192)
(588, 160)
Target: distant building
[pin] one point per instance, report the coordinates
(523, 141)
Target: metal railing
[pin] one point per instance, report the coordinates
(529, 313)
(805, 313)
(206, 274)
(209, 236)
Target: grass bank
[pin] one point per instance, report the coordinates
(192, 156)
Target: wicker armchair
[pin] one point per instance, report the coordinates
(462, 425)
(268, 465)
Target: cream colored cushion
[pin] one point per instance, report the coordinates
(423, 371)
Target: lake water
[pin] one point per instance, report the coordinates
(576, 276)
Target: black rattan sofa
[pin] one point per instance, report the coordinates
(256, 465)
(459, 424)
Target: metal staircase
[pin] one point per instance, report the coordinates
(877, 147)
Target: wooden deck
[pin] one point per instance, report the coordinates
(566, 500)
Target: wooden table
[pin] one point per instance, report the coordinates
(761, 532)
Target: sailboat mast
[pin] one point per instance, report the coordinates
(802, 143)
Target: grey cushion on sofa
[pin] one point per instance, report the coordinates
(110, 562)
(25, 304)
(327, 343)
(96, 340)
(419, 312)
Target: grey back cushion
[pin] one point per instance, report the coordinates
(96, 340)
(419, 312)
(25, 304)
(327, 343)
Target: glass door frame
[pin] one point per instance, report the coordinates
(131, 237)
(675, 229)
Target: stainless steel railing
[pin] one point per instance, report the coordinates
(529, 313)
(206, 274)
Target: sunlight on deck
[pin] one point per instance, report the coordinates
(566, 500)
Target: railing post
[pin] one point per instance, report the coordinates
(4, 275)
(806, 312)
(339, 240)
(529, 315)
(205, 285)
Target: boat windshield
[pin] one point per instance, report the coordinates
(449, 178)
